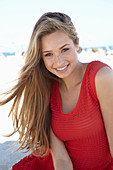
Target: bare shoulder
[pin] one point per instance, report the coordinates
(105, 72)
(104, 89)
(104, 79)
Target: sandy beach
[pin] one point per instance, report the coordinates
(9, 68)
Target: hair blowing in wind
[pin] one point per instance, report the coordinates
(30, 111)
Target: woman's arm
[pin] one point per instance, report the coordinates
(59, 153)
(104, 88)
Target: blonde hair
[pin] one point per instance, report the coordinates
(30, 111)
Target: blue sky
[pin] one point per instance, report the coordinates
(93, 19)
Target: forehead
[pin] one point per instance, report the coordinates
(55, 39)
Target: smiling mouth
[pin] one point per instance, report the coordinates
(62, 68)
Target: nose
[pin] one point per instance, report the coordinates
(58, 59)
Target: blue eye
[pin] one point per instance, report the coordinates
(48, 55)
(65, 49)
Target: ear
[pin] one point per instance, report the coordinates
(77, 47)
(77, 44)
(77, 41)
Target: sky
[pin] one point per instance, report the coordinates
(93, 20)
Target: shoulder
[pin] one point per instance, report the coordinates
(104, 75)
(99, 70)
(98, 73)
(104, 82)
(104, 88)
(95, 71)
(94, 66)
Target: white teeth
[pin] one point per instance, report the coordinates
(62, 68)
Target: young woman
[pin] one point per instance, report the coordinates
(62, 108)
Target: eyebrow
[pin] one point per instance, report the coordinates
(59, 48)
(64, 46)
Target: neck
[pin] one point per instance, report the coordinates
(74, 79)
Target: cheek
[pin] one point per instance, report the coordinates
(72, 57)
(47, 63)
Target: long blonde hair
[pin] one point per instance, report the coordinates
(30, 111)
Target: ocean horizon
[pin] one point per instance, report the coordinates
(14, 50)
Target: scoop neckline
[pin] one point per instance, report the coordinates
(79, 98)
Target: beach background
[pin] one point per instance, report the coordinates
(9, 69)
(93, 22)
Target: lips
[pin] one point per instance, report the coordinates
(62, 68)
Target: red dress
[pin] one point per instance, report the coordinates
(82, 130)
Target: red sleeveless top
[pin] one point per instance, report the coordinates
(82, 130)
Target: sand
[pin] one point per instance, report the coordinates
(9, 68)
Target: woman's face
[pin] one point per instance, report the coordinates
(59, 54)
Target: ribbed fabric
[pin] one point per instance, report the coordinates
(83, 130)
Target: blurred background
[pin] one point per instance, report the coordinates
(93, 20)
